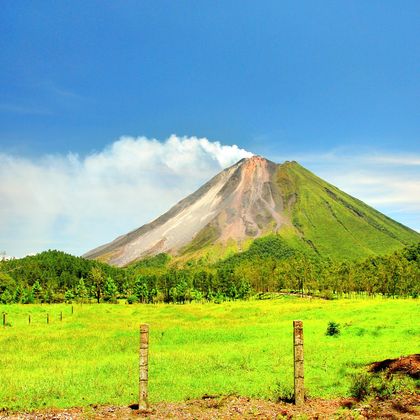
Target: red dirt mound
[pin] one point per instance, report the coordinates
(408, 365)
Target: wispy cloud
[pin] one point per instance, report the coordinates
(61, 92)
(50, 98)
(406, 160)
(365, 157)
(76, 203)
(26, 110)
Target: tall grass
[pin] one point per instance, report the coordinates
(91, 357)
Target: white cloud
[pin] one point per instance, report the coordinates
(75, 203)
(410, 160)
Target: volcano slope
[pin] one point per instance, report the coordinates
(257, 197)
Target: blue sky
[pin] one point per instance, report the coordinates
(334, 85)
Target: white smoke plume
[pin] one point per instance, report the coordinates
(76, 203)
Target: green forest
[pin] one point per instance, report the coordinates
(268, 266)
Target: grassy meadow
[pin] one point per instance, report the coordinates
(242, 347)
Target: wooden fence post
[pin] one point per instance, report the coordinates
(61, 316)
(4, 319)
(48, 318)
(29, 319)
(72, 309)
(298, 362)
(144, 367)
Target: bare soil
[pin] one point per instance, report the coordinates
(408, 365)
(234, 407)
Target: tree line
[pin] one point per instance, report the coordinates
(269, 265)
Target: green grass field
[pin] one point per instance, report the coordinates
(91, 357)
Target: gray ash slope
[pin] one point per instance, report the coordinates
(233, 204)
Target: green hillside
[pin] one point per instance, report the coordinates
(332, 222)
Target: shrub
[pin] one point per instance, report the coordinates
(385, 386)
(380, 386)
(132, 299)
(327, 295)
(360, 385)
(282, 393)
(333, 329)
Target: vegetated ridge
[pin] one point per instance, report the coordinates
(254, 198)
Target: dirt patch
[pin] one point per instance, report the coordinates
(408, 365)
(401, 407)
(234, 407)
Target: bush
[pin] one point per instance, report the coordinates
(327, 295)
(360, 385)
(282, 393)
(132, 299)
(380, 386)
(333, 329)
(385, 386)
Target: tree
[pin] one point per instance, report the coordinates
(36, 291)
(141, 290)
(244, 290)
(6, 297)
(182, 292)
(49, 295)
(28, 296)
(110, 290)
(6, 283)
(173, 294)
(18, 294)
(81, 291)
(69, 296)
(196, 295)
(96, 276)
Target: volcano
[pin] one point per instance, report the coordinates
(257, 197)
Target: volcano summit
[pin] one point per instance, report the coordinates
(256, 197)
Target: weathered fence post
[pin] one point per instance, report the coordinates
(4, 319)
(144, 367)
(298, 362)
(29, 319)
(48, 318)
(61, 316)
(72, 309)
